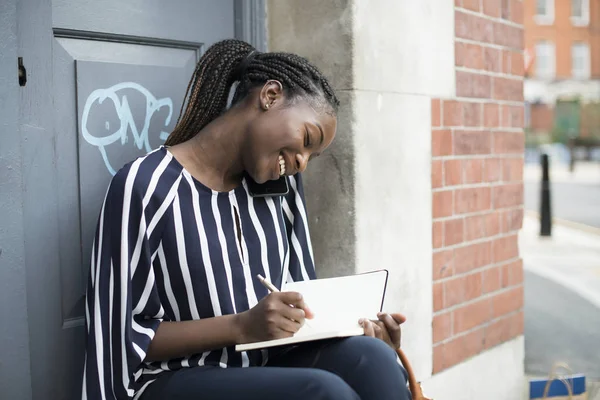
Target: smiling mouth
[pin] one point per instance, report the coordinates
(281, 165)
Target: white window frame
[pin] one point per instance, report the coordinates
(585, 72)
(548, 18)
(584, 20)
(550, 73)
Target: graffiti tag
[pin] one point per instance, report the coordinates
(127, 123)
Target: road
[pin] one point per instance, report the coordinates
(561, 322)
(577, 202)
(560, 326)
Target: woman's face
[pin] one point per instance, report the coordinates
(282, 138)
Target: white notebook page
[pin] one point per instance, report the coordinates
(337, 304)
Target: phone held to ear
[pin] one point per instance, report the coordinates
(269, 188)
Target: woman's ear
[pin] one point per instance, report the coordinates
(271, 94)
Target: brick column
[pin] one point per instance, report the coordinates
(477, 184)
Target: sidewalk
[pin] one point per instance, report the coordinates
(584, 173)
(562, 300)
(571, 257)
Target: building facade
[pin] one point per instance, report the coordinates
(562, 47)
(424, 177)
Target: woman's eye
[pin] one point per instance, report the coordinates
(306, 139)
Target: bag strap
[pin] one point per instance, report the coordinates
(564, 381)
(413, 384)
(554, 376)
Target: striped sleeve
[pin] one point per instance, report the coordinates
(301, 261)
(123, 309)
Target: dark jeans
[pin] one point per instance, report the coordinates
(356, 368)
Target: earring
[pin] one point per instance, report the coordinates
(266, 106)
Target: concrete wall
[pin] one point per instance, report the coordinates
(369, 199)
(326, 38)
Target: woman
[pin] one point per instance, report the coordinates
(180, 240)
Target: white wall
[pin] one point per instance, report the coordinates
(404, 46)
(496, 374)
(403, 56)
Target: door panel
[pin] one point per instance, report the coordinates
(184, 20)
(124, 111)
(118, 73)
(118, 102)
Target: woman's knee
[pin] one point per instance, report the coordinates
(372, 350)
(373, 355)
(376, 366)
(323, 385)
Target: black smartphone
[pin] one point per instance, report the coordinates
(269, 188)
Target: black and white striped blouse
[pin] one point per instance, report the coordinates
(167, 249)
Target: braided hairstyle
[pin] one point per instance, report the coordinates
(230, 61)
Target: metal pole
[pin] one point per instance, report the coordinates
(571, 155)
(545, 209)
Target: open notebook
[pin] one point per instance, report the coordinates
(337, 303)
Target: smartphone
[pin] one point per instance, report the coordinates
(269, 188)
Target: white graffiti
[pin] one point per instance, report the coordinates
(140, 137)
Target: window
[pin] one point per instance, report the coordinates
(542, 7)
(580, 60)
(580, 12)
(544, 60)
(577, 8)
(544, 12)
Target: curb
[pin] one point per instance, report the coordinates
(569, 224)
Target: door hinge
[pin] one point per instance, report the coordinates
(22, 72)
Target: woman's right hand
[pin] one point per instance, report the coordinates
(278, 315)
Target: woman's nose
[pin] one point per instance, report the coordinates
(301, 162)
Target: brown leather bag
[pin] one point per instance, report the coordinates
(413, 384)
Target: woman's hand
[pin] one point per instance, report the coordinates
(386, 328)
(276, 316)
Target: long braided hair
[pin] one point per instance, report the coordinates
(230, 61)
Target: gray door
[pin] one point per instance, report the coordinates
(105, 83)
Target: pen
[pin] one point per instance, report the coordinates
(271, 288)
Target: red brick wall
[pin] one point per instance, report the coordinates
(477, 179)
(590, 120)
(542, 117)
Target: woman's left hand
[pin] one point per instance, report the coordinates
(386, 328)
